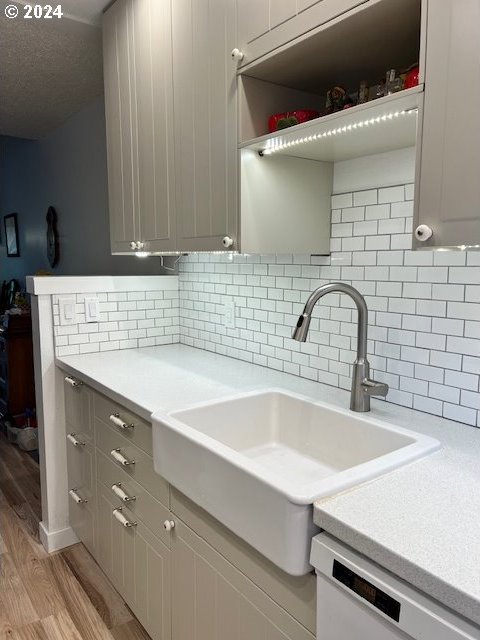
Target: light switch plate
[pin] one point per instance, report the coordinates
(91, 309)
(229, 314)
(68, 314)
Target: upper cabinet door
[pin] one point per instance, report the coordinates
(139, 111)
(121, 132)
(204, 78)
(265, 25)
(448, 189)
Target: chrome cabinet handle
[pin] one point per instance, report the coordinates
(118, 456)
(73, 382)
(76, 498)
(72, 437)
(118, 422)
(120, 493)
(122, 519)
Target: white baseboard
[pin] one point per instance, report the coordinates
(56, 540)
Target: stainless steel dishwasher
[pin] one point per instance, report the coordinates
(358, 600)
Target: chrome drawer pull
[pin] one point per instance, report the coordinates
(118, 422)
(122, 519)
(120, 493)
(76, 498)
(120, 458)
(72, 437)
(73, 382)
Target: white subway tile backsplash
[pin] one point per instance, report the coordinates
(424, 307)
(122, 322)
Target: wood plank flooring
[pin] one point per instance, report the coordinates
(62, 596)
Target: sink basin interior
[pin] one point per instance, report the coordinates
(293, 438)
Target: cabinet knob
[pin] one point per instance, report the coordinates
(423, 233)
(237, 55)
(227, 242)
(168, 525)
(137, 245)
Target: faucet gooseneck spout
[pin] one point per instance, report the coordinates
(362, 386)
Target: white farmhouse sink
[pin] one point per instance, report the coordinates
(258, 461)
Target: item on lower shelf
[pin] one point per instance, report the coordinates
(290, 118)
(337, 100)
(393, 82)
(412, 77)
(363, 92)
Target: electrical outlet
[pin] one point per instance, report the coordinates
(68, 314)
(91, 309)
(229, 314)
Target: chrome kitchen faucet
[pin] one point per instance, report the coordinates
(362, 385)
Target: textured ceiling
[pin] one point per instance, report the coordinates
(49, 69)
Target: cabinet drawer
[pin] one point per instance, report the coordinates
(126, 423)
(144, 506)
(78, 405)
(138, 564)
(83, 522)
(82, 492)
(81, 469)
(141, 470)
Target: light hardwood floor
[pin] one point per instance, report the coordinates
(49, 597)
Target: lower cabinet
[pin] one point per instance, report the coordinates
(137, 563)
(184, 576)
(213, 599)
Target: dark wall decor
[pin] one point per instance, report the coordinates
(53, 247)
(11, 235)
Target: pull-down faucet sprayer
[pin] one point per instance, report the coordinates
(362, 386)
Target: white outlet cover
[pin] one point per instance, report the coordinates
(229, 314)
(68, 314)
(91, 309)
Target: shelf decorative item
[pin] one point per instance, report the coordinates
(280, 121)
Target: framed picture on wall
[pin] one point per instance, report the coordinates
(11, 235)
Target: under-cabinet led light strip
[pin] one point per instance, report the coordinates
(275, 145)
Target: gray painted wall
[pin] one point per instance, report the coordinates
(67, 170)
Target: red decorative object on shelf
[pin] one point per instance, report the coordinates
(411, 79)
(290, 119)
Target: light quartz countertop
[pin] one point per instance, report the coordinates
(421, 522)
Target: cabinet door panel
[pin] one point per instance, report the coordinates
(120, 118)
(138, 565)
(205, 125)
(154, 103)
(448, 191)
(286, 23)
(281, 11)
(253, 19)
(212, 599)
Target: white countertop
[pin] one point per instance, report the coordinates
(422, 522)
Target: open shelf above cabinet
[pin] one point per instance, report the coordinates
(382, 125)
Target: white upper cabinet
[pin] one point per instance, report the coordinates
(205, 123)
(448, 184)
(265, 25)
(139, 115)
